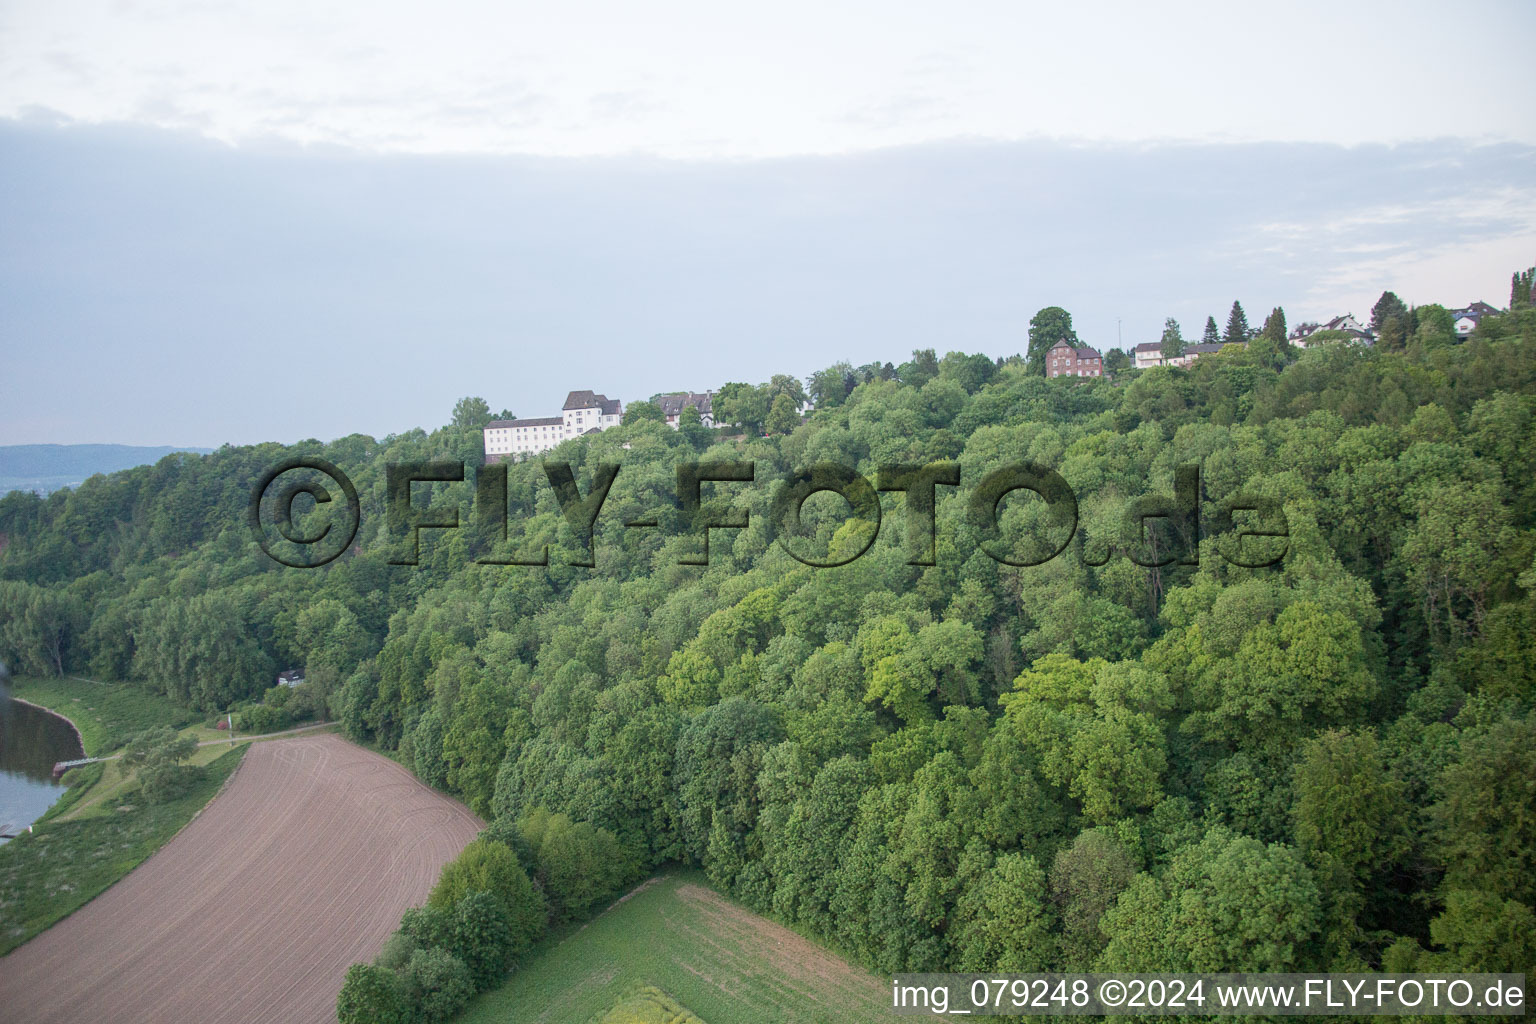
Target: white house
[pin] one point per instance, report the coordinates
(1466, 318)
(1150, 353)
(584, 413)
(1347, 323)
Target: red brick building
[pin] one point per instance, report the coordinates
(1065, 360)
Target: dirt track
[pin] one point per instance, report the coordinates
(253, 913)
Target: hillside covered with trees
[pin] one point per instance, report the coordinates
(1326, 763)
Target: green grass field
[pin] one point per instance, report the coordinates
(106, 714)
(650, 1005)
(712, 956)
(64, 864)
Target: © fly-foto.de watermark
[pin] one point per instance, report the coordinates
(1158, 530)
(1221, 995)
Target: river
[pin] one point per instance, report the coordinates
(31, 742)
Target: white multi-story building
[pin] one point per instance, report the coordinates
(584, 413)
(1148, 354)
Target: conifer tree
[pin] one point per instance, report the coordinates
(1212, 335)
(1274, 326)
(1387, 308)
(1520, 287)
(1237, 325)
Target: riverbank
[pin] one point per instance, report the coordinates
(104, 715)
(98, 830)
(299, 868)
(60, 866)
(65, 718)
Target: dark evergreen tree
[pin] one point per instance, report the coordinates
(1212, 335)
(1274, 326)
(1237, 325)
(1520, 288)
(1392, 322)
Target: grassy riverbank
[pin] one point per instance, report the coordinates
(106, 714)
(64, 864)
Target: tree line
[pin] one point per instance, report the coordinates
(1322, 765)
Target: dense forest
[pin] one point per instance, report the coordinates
(1328, 763)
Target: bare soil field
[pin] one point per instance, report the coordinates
(301, 867)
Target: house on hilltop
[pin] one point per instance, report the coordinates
(585, 412)
(1065, 360)
(1195, 351)
(1468, 317)
(1150, 353)
(1346, 324)
(673, 404)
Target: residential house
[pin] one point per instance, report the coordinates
(672, 406)
(1192, 352)
(1358, 333)
(1150, 353)
(1468, 317)
(1065, 360)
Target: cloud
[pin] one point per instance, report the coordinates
(182, 291)
(728, 81)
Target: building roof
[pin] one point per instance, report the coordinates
(540, 421)
(1202, 348)
(1474, 309)
(1081, 353)
(1149, 346)
(1346, 323)
(590, 400)
(673, 404)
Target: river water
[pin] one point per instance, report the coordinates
(31, 742)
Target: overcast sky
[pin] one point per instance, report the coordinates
(250, 221)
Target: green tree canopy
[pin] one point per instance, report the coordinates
(471, 412)
(1172, 341)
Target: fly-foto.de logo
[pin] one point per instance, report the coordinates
(1156, 530)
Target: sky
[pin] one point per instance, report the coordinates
(236, 222)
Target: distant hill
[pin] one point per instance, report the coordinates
(48, 467)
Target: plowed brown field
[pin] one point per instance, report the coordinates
(254, 911)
